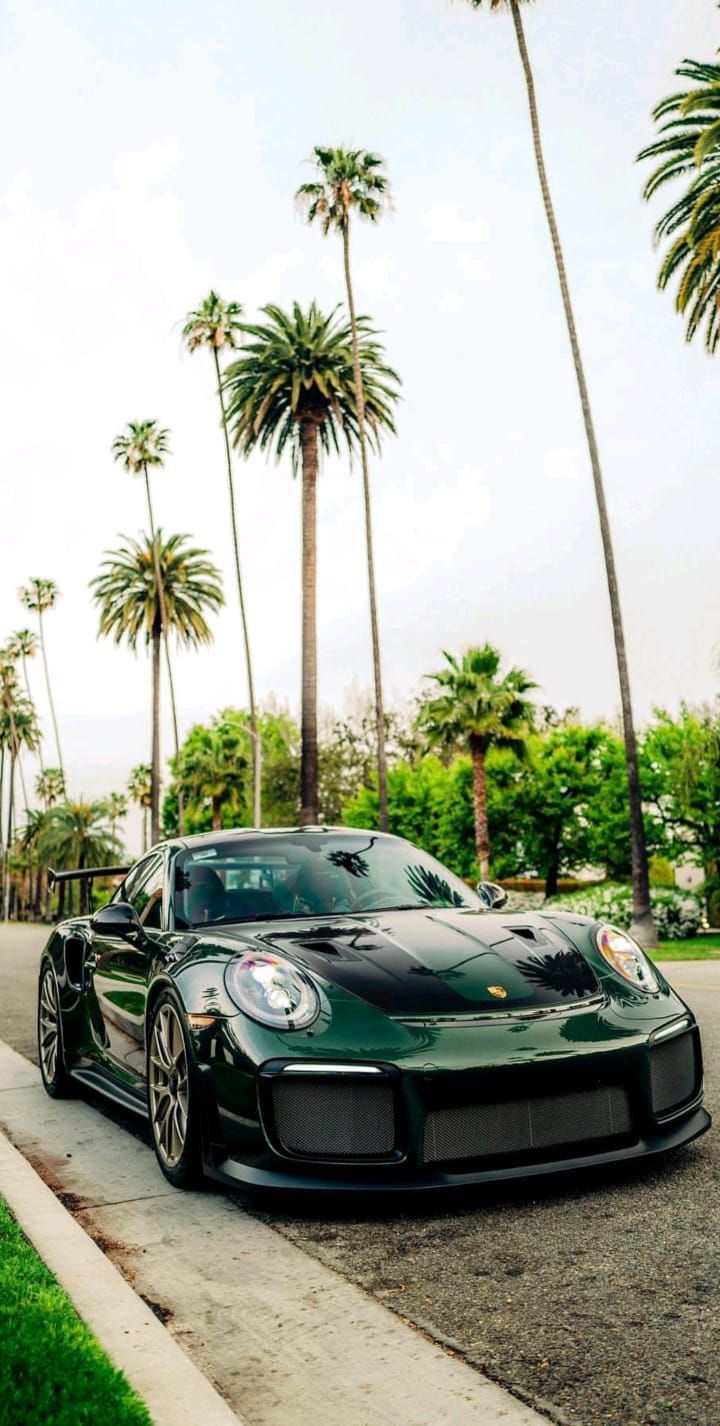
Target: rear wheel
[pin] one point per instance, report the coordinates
(173, 1097)
(51, 1053)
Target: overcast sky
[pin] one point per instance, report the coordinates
(152, 151)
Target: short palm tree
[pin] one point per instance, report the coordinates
(293, 387)
(78, 835)
(643, 924)
(477, 709)
(141, 446)
(116, 806)
(689, 149)
(352, 181)
(50, 786)
(211, 770)
(217, 325)
(127, 594)
(39, 595)
(140, 791)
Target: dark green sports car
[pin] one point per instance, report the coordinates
(329, 1008)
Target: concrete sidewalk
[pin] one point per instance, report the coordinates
(284, 1338)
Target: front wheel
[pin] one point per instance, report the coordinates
(51, 1055)
(173, 1099)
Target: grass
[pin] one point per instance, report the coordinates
(52, 1370)
(697, 948)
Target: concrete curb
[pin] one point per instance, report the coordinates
(175, 1392)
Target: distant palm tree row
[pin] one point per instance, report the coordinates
(311, 384)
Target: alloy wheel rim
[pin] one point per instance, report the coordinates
(169, 1086)
(49, 1027)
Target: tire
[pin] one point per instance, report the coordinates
(173, 1094)
(51, 1051)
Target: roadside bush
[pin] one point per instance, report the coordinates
(677, 914)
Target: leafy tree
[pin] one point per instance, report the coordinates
(689, 149)
(230, 728)
(477, 709)
(563, 776)
(293, 387)
(352, 181)
(39, 595)
(140, 792)
(643, 926)
(217, 325)
(127, 594)
(685, 756)
(211, 768)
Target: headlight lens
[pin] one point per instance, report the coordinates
(272, 991)
(625, 956)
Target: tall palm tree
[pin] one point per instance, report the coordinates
(142, 445)
(643, 926)
(475, 708)
(23, 646)
(50, 786)
(689, 149)
(352, 181)
(18, 730)
(293, 387)
(140, 791)
(39, 595)
(127, 592)
(217, 325)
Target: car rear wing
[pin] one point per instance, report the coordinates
(85, 873)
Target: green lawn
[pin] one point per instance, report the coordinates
(698, 948)
(51, 1368)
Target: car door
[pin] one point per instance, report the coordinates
(121, 972)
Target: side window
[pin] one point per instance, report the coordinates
(144, 890)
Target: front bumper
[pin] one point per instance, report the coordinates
(394, 1128)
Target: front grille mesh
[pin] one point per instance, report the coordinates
(515, 1126)
(347, 1118)
(673, 1073)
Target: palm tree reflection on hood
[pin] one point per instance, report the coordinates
(565, 972)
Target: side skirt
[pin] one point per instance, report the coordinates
(110, 1089)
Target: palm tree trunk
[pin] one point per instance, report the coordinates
(482, 835)
(643, 927)
(309, 747)
(374, 625)
(164, 630)
(155, 757)
(30, 700)
(217, 814)
(255, 734)
(145, 828)
(49, 692)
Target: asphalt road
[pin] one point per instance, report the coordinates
(596, 1297)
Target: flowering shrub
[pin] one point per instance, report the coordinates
(677, 913)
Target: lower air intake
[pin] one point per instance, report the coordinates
(343, 1118)
(522, 1126)
(673, 1073)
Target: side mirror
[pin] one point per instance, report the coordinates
(118, 918)
(492, 895)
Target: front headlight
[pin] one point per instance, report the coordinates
(625, 956)
(272, 991)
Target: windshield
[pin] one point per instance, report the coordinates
(309, 874)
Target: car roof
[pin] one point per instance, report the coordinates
(232, 834)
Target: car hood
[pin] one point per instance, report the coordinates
(438, 962)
